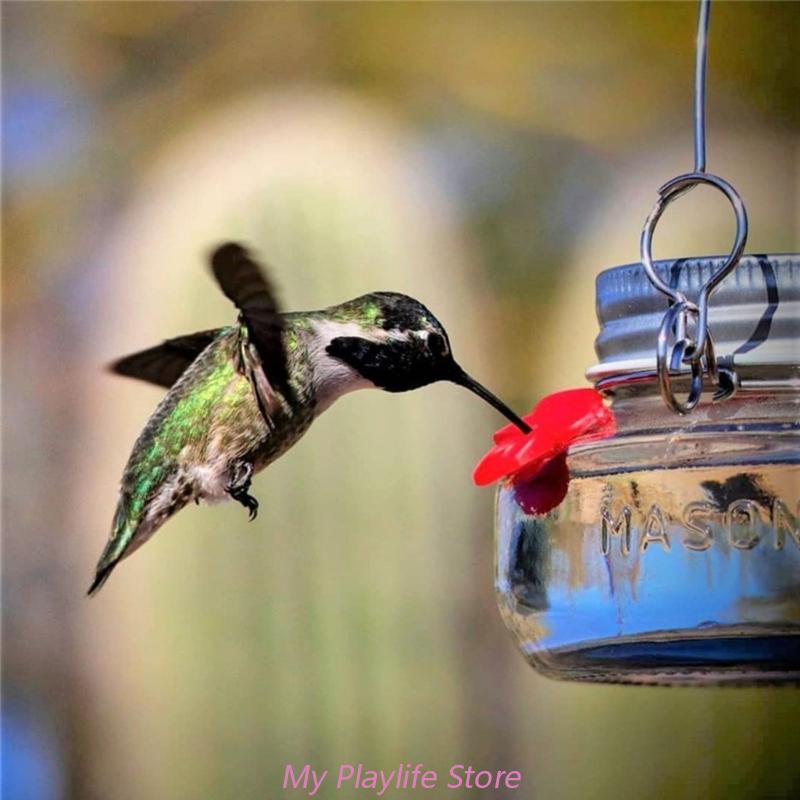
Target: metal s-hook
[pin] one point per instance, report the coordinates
(667, 193)
(696, 353)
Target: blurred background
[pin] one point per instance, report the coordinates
(488, 159)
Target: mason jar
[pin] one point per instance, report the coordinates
(675, 556)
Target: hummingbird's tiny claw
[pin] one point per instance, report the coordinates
(240, 484)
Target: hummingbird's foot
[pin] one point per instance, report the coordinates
(248, 501)
(238, 488)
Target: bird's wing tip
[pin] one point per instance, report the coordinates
(226, 252)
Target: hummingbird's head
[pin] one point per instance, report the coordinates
(395, 343)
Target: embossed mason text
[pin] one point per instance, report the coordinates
(743, 525)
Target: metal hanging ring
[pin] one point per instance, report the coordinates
(666, 194)
(669, 361)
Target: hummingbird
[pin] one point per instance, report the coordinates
(240, 396)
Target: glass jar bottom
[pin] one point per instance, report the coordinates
(730, 655)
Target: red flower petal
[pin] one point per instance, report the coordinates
(557, 421)
(546, 490)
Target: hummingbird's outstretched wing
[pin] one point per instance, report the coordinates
(166, 362)
(247, 286)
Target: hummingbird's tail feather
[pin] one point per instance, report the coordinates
(140, 513)
(123, 531)
(99, 579)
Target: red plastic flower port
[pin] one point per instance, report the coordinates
(536, 462)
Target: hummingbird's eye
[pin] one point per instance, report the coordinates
(437, 344)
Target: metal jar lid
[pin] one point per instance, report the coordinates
(754, 318)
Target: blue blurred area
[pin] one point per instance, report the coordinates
(45, 128)
(31, 764)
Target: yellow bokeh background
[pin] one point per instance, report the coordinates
(487, 158)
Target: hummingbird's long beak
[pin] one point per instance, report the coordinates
(457, 375)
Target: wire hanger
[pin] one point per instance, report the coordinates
(676, 347)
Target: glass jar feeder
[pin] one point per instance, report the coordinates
(675, 555)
